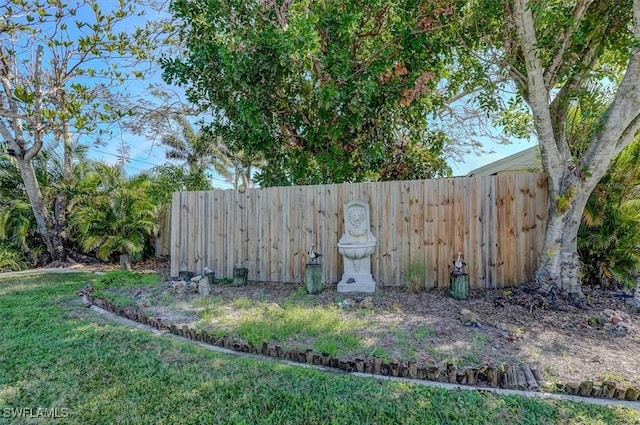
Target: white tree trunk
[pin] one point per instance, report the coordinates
(43, 219)
(572, 180)
(560, 264)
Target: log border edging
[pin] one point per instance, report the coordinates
(490, 376)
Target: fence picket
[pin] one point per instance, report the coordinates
(497, 222)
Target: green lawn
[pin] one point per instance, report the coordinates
(54, 353)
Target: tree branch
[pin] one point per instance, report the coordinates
(7, 136)
(560, 104)
(15, 140)
(621, 120)
(564, 40)
(538, 94)
(37, 112)
(628, 135)
(11, 115)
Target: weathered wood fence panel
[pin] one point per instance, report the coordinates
(163, 241)
(496, 222)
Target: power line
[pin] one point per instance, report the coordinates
(213, 179)
(129, 159)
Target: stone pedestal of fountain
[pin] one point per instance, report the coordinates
(356, 246)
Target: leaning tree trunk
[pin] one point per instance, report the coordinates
(560, 266)
(572, 177)
(43, 219)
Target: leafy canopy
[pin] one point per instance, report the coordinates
(329, 91)
(583, 48)
(114, 214)
(609, 236)
(90, 51)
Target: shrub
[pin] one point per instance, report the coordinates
(11, 259)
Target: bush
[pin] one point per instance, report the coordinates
(11, 259)
(609, 236)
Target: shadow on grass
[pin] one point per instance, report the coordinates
(106, 373)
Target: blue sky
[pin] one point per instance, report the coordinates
(499, 151)
(145, 153)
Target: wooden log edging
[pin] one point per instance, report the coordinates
(521, 376)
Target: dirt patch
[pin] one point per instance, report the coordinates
(568, 345)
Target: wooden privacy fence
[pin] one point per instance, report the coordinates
(163, 241)
(497, 222)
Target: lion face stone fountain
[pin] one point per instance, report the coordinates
(356, 246)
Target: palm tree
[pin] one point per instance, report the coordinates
(16, 217)
(114, 214)
(18, 228)
(609, 236)
(244, 165)
(199, 150)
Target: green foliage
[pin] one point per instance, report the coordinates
(64, 67)
(168, 178)
(295, 323)
(380, 352)
(337, 344)
(265, 322)
(416, 277)
(594, 53)
(564, 200)
(327, 92)
(16, 217)
(610, 251)
(89, 182)
(111, 284)
(17, 221)
(409, 160)
(124, 278)
(56, 353)
(609, 236)
(199, 150)
(11, 259)
(114, 214)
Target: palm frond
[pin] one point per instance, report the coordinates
(592, 217)
(174, 142)
(11, 259)
(120, 218)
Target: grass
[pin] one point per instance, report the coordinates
(422, 332)
(122, 280)
(261, 321)
(380, 352)
(296, 325)
(416, 277)
(57, 354)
